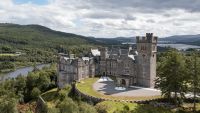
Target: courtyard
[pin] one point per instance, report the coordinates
(106, 89)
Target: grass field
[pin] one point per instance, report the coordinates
(85, 86)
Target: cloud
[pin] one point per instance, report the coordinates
(108, 18)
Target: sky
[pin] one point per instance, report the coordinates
(107, 18)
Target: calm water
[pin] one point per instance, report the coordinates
(22, 71)
(179, 46)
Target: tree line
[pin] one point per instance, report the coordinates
(24, 89)
(179, 74)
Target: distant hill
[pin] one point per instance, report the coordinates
(24, 36)
(116, 41)
(36, 36)
(186, 39)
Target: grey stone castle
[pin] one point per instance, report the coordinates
(129, 66)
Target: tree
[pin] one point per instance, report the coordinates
(20, 84)
(172, 77)
(6, 49)
(35, 93)
(86, 108)
(8, 105)
(193, 71)
(43, 81)
(68, 106)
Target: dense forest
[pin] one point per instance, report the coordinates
(36, 36)
(24, 45)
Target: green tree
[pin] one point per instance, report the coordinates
(8, 105)
(20, 84)
(35, 93)
(86, 108)
(193, 71)
(6, 49)
(43, 81)
(68, 106)
(172, 77)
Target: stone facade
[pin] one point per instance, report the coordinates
(129, 66)
(74, 69)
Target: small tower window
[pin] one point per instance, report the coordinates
(154, 48)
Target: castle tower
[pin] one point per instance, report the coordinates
(103, 57)
(146, 63)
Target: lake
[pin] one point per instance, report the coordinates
(172, 45)
(21, 71)
(179, 46)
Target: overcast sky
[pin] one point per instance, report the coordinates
(107, 18)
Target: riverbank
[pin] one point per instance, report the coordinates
(21, 71)
(17, 65)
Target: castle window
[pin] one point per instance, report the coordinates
(143, 47)
(154, 48)
(154, 38)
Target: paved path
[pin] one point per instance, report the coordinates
(108, 88)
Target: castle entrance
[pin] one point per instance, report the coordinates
(104, 73)
(123, 82)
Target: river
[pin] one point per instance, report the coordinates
(21, 71)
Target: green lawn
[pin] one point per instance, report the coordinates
(85, 86)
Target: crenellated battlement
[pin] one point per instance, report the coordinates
(149, 38)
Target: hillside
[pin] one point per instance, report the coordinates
(116, 41)
(36, 36)
(186, 39)
(25, 45)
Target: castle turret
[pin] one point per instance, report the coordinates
(146, 48)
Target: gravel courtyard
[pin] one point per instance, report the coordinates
(108, 88)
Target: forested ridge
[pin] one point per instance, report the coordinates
(36, 36)
(37, 44)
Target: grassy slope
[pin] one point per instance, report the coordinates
(39, 36)
(85, 86)
(51, 97)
